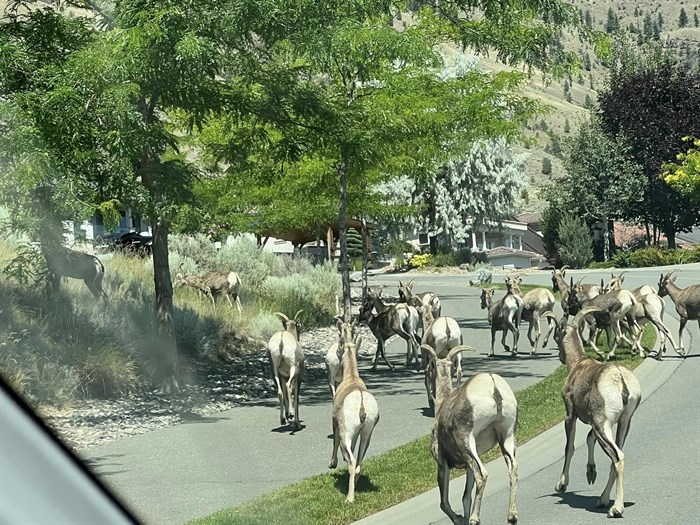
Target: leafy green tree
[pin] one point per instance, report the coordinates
(354, 243)
(684, 175)
(653, 102)
(575, 242)
(602, 183)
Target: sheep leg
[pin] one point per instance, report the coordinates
(593, 342)
(351, 461)
(664, 332)
(429, 384)
(614, 452)
(480, 477)
(281, 396)
(508, 450)
(365, 438)
(530, 326)
(443, 477)
(493, 340)
(683, 320)
(457, 364)
(591, 472)
(380, 350)
(538, 333)
(331, 383)
(511, 327)
(296, 385)
(336, 443)
(291, 414)
(570, 429)
(552, 326)
(467, 495)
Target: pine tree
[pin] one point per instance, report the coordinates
(613, 23)
(682, 18)
(695, 20)
(588, 19)
(575, 242)
(567, 127)
(546, 166)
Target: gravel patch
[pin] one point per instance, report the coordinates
(220, 386)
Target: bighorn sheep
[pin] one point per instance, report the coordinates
(600, 395)
(536, 303)
(610, 309)
(687, 301)
(214, 284)
(468, 422)
(419, 299)
(398, 319)
(334, 366)
(64, 262)
(559, 285)
(287, 361)
(442, 335)
(355, 414)
(650, 308)
(504, 315)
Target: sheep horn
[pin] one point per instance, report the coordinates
(297, 314)
(581, 279)
(458, 349)
(282, 316)
(669, 274)
(429, 349)
(583, 313)
(565, 267)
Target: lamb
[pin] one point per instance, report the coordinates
(287, 362)
(420, 299)
(355, 414)
(600, 395)
(213, 284)
(650, 308)
(504, 315)
(686, 300)
(398, 319)
(536, 303)
(441, 334)
(468, 422)
(611, 309)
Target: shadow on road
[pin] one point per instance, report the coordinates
(579, 501)
(363, 482)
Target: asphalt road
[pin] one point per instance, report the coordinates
(178, 473)
(662, 455)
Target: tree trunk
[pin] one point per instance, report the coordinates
(670, 232)
(433, 244)
(365, 259)
(606, 240)
(646, 226)
(343, 238)
(166, 358)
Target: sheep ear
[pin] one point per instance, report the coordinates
(400, 284)
(673, 279)
(358, 344)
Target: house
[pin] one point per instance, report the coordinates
(512, 243)
(93, 229)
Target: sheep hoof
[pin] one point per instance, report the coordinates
(602, 502)
(615, 512)
(512, 517)
(560, 487)
(591, 474)
(333, 464)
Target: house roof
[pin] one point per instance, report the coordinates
(529, 218)
(502, 251)
(302, 236)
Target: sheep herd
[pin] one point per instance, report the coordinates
(482, 411)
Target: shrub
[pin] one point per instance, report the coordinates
(443, 260)
(420, 261)
(575, 242)
(654, 256)
(252, 263)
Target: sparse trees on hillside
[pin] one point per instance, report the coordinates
(682, 18)
(546, 166)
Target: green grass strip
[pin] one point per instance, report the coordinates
(398, 475)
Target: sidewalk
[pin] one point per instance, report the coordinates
(533, 456)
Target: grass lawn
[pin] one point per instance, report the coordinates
(399, 474)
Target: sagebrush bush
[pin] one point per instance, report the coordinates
(56, 348)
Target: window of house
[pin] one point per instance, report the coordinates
(423, 238)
